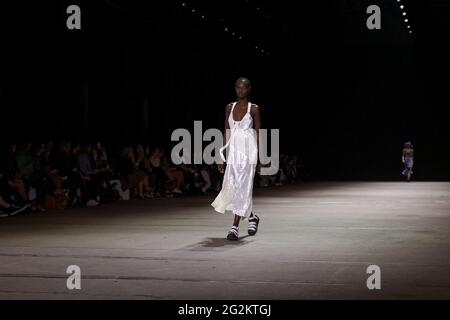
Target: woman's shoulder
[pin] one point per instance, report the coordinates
(254, 109)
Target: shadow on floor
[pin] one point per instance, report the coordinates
(217, 243)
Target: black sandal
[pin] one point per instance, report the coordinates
(253, 225)
(233, 234)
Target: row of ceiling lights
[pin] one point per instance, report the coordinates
(405, 18)
(226, 28)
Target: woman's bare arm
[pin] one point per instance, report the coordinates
(226, 127)
(256, 114)
(227, 124)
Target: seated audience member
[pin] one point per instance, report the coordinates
(131, 177)
(31, 176)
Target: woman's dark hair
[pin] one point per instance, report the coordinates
(244, 81)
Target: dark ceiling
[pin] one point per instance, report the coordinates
(319, 73)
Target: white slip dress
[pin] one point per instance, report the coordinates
(237, 186)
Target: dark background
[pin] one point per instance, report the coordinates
(345, 98)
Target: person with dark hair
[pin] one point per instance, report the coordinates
(131, 176)
(103, 173)
(237, 186)
(100, 157)
(166, 180)
(31, 175)
(78, 189)
(13, 195)
(86, 168)
(175, 176)
(408, 160)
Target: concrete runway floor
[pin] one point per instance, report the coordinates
(315, 241)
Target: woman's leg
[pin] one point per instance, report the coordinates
(153, 181)
(4, 204)
(206, 177)
(147, 184)
(253, 222)
(83, 186)
(141, 188)
(179, 178)
(146, 190)
(163, 178)
(233, 234)
(19, 186)
(236, 220)
(38, 182)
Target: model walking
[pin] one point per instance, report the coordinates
(244, 121)
(408, 160)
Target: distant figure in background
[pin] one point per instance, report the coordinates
(408, 160)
